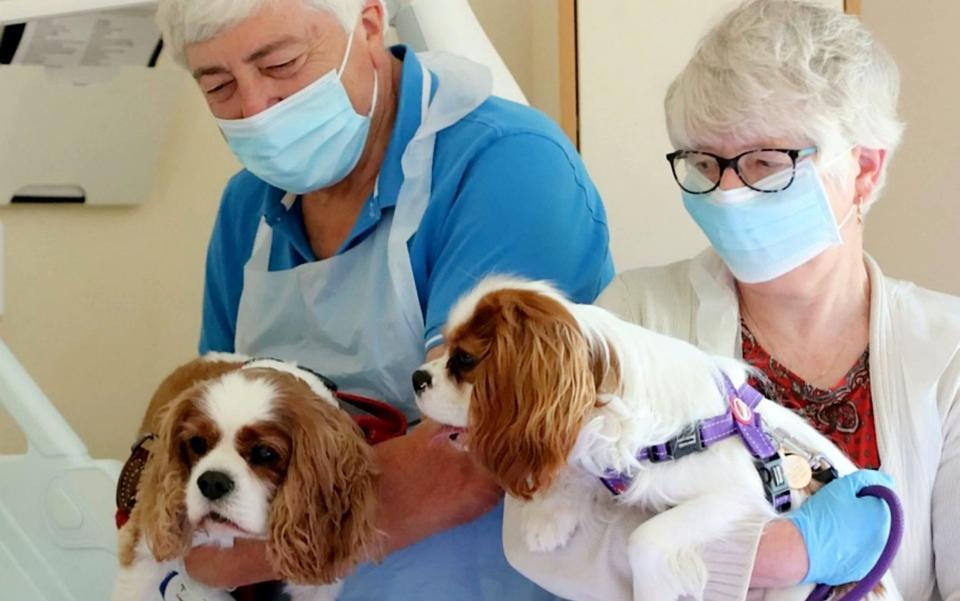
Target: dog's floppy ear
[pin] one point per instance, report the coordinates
(161, 509)
(532, 390)
(322, 519)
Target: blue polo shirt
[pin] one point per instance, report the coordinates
(510, 195)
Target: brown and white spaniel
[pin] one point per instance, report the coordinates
(251, 449)
(557, 398)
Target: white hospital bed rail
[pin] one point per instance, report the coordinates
(57, 534)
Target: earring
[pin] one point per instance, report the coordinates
(859, 209)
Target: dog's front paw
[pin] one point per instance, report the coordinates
(548, 526)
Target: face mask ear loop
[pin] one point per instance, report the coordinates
(346, 55)
(854, 208)
(825, 162)
(376, 90)
(376, 80)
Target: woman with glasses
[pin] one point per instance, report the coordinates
(784, 123)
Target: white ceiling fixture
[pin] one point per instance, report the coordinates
(19, 11)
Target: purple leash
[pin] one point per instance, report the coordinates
(872, 579)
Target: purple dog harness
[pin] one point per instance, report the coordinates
(740, 419)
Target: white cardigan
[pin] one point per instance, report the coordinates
(915, 382)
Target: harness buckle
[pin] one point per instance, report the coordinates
(775, 485)
(689, 441)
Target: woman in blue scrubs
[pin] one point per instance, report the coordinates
(378, 187)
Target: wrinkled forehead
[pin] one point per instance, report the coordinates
(738, 131)
(251, 33)
(733, 144)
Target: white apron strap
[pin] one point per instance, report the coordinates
(260, 255)
(462, 86)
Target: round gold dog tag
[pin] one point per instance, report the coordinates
(798, 471)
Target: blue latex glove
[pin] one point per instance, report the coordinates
(844, 534)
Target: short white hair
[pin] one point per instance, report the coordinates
(788, 69)
(185, 22)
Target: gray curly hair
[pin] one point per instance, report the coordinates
(788, 69)
(185, 22)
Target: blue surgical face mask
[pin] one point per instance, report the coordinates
(761, 236)
(308, 141)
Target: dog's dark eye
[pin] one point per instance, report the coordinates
(461, 361)
(198, 445)
(262, 455)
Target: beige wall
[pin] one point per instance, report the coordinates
(914, 230)
(525, 34)
(102, 302)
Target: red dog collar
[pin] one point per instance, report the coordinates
(379, 421)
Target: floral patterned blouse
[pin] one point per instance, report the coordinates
(843, 413)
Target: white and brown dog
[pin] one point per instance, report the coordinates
(251, 450)
(555, 396)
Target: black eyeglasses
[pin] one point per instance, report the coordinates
(763, 169)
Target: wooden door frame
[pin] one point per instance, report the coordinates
(569, 77)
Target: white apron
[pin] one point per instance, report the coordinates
(356, 318)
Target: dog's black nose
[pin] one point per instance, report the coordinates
(214, 485)
(421, 380)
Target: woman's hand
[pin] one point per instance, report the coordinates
(834, 538)
(844, 534)
(426, 486)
